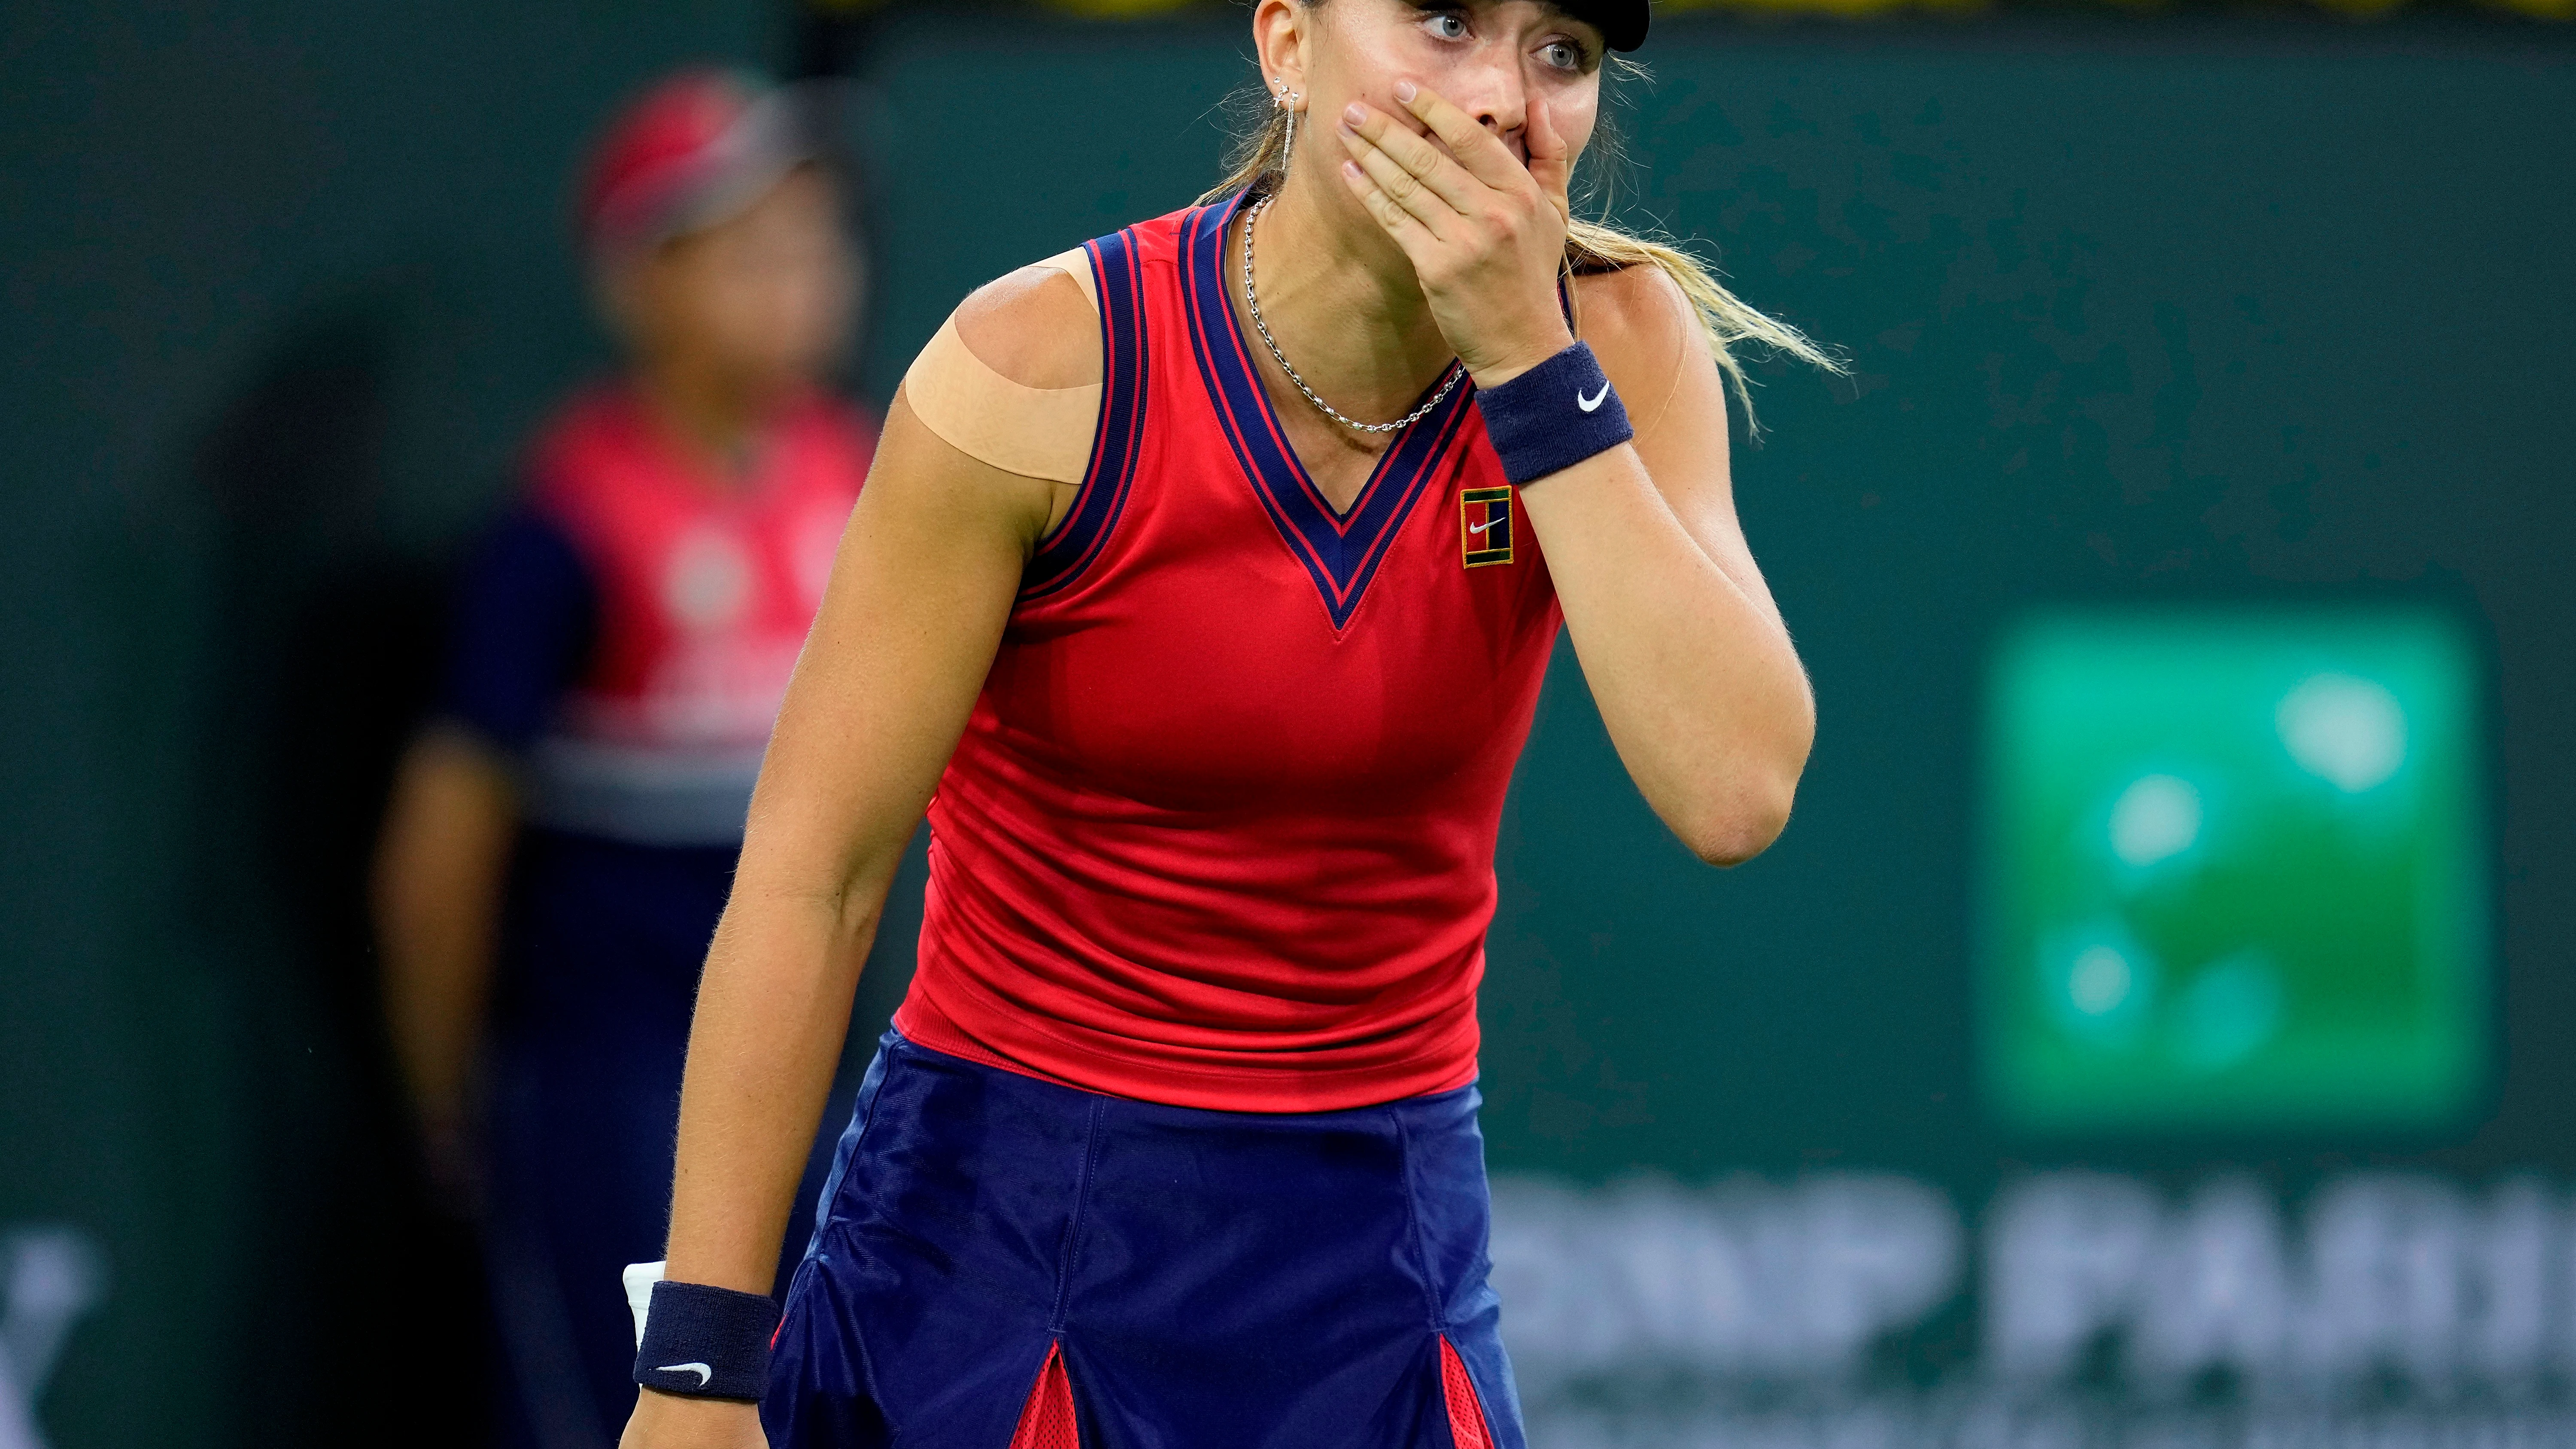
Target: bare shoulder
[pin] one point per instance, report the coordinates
(1035, 326)
(1636, 319)
(1650, 342)
(1013, 379)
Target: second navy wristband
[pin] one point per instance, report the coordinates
(703, 1342)
(1553, 416)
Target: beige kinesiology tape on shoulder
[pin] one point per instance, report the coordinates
(1037, 432)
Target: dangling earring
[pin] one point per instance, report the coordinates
(1288, 149)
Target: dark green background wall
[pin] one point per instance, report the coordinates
(2246, 309)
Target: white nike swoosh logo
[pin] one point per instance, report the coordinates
(1594, 401)
(704, 1373)
(1481, 527)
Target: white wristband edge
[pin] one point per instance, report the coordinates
(640, 1278)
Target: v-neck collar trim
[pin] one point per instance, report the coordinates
(1341, 551)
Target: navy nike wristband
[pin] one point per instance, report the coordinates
(702, 1342)
(1553, 416)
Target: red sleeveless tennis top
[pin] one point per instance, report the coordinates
(1220, 831)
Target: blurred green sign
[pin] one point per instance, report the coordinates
(2234, 871)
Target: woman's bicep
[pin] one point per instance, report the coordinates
(920, 591)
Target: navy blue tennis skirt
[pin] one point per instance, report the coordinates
(1000, 1261)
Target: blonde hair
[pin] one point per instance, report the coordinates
(1258, 161)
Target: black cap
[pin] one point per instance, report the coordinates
(1622, 22)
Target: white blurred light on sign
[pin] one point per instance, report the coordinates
(2349, 731)
(2100, 982)
(2155, 819)
(2228, 1011)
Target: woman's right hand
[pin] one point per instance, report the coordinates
(668, 1421)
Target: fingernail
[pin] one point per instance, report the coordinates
(1354, 113)
(1404, 91)
(1351, 169)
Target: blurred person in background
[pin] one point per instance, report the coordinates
(563, 834)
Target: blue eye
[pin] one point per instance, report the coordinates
(1448, 26)
(1564, 55)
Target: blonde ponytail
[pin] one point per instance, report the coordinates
(1724, 319)
(1591, 247)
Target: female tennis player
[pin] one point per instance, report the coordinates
(1201, 592)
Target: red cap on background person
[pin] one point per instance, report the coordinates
(691, 152)
(720, 248)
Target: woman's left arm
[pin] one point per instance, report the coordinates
(1679, 639)
(1678, 636)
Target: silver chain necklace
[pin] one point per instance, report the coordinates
(1252, 303)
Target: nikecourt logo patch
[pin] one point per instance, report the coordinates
(1485, 526)
(703, 1372)
(1594, 401)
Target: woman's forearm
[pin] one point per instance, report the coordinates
(773, 1010)
(1694, 674)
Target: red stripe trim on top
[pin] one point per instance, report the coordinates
(1466, 1414)
(1046, 1420)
